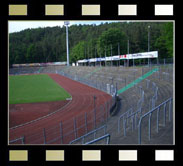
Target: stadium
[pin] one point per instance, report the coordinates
(119, 100)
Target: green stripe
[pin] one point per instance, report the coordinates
(137, 80)
(40, 69)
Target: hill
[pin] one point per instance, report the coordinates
(86, 41)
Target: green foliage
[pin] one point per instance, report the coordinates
(77, 52)
(87, 41)
(110, 40)
(164, 43)
(169, 38)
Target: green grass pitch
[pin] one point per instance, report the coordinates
(34, 88)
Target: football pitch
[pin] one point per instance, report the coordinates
(34, 89)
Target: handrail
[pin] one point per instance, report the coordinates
(150, 113)
(15, 140)
(91, 132)
(134, 114)
(129, 113)
(122, 116)
(100, 138)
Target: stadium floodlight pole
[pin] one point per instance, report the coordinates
(66, 23)
(105, 56)
(128, 52)
(118, 53)
(95, 55)
(85, 55)
(148, 40)
(88, 56)
(100, 59)
(111, 55)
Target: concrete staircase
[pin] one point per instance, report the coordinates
(129, 99)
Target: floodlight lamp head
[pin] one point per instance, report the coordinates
(66, 22)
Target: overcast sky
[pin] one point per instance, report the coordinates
(16, 26)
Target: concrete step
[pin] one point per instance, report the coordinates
(165, 135)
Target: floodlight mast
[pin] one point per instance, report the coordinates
(66, 23)
(149, 28)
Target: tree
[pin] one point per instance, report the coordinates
(168, 32)
(49, 44)
(111, 39)
(164, 43)
(31, 51)
(77, 52)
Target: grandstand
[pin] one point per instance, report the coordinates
(135, 91)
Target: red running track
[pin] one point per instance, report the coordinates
(82, 101)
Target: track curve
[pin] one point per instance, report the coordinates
(82, 101)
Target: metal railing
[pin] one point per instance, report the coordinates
(130, 114)
(82, 138)
(154, 98)
(163, 72)
(94, 83)
(124, 116)
(134, 121)
(21, 139)
(104, 115)
(107, 137)
(149, 114)
(65, 131)
(147, 83)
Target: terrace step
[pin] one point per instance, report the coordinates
(165, 91)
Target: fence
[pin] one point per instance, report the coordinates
(149, 115)
(165, 73)
(68, 130)
(128, 117)
(90, 136)
(152, 102)
(93, 83)
(20, 140)
(107, 137)
(101, 79)
(133, 116)
(154, 61)
(134, 119)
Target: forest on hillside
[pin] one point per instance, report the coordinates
(48, 44)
